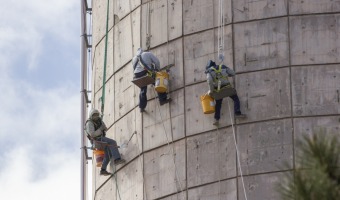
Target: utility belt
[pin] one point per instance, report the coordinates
(98, 137)
(217, 89)
(223, 91)
(145, 72)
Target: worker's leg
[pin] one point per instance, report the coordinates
(112, 145)
(163, 98)
(218, 106)
(107, 156)
(236, 104)
(142, 97)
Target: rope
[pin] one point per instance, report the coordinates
(172, 149)
(219, 163)
(221, 33)
(147, 24)
(141, 164)
(103, 88)
(105, 58)
(115, 175)
(237, 151)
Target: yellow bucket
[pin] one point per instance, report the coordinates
(99, 156)
(162, 81)
(208, 104)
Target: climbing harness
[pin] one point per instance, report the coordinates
(148, 78)
(225, 91)
(221, 91)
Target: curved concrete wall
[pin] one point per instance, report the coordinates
(286, 55)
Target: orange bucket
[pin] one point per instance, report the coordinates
(208, 104)
(99, 156)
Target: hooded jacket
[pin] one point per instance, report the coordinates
(95, 128)
(148, 58)
(213, 77)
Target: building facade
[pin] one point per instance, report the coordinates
(286, 55)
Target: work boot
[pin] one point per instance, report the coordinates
(119, 161)
(239, 115)
(142, 110)
(216, 122)
(165, 101)
(104, 172)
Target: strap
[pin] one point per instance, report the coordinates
(135, 65)
(95, 127)
(141, 62)
(218, 71)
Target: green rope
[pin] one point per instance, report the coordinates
(105, 58)
(104, 79)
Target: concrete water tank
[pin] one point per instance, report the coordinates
(286, 55)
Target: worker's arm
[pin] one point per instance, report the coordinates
(103, 126)
(134, 62)
(230, 72)
(210, 82)
(155, 61)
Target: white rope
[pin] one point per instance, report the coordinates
(141, 164)
(172, 149)
(237, 151)
(219, 164)
(220, 44)
(148, 13)
(114, 173)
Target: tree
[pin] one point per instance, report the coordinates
(317, 172)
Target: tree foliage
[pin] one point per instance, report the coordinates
(317, 172)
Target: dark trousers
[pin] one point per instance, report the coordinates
(142, 95)
(218, 106)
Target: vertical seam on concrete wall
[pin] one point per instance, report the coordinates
(184, 111)
(234, 82)
(115, 173)
(142, 129)
(291, 88)
(171, 131)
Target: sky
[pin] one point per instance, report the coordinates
(40, 99)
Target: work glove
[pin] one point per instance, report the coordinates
(209, 92)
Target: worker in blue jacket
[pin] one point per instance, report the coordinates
(217, 77)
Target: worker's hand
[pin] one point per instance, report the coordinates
(209, 92)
